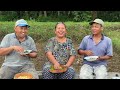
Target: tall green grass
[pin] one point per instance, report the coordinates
(114, 35)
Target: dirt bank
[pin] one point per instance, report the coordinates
(113, 64)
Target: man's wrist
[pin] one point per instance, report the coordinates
(12, 47)
(99, 57)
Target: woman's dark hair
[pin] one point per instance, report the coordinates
(60, 23)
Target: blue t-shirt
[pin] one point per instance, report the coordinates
(14, 58)
(104, 47)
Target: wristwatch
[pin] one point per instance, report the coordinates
(98, 57)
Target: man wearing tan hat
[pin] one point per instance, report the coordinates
(97, 49)
(13, 47)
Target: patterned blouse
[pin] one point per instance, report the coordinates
(61, 51)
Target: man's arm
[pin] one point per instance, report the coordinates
(85, 52)
(5, 51)
(33, 54)
(104, 57)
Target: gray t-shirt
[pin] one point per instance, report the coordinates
(14, 58)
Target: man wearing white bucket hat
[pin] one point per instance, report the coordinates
(96, 46)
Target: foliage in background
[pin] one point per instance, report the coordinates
(110, 16)
(82, 16)
(56, 16)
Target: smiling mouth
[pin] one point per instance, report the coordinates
(61, 33)
(23, 33)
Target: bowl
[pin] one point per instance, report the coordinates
(61, 70)
(23, 75)
(27, 51)
(91, 58)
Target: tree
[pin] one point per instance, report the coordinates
(94, 14)
(45, 13)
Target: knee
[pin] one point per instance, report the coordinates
(45, 73)
(71, 71)
(101, 72)
(69, 74)
(85, 75)
(101, 75)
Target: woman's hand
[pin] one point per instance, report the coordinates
(56, 66)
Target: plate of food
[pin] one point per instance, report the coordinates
(26, 51)
(23, 75)
(61, 70)
(91, 58)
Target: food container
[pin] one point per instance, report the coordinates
(23, 75)
(91, 58)
(61, 70)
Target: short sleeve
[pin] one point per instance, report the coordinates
(5, 42)
(73, 51)
(109, 48)
(83, 44)
(33, 45)
(49, 46)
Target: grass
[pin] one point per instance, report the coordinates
(114, 35)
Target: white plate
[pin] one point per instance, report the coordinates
(91, 58)
(27, 51)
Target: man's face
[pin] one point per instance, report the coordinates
(96, 28)
(21, 31)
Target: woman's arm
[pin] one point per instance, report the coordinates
(70, 61)
(52, 59)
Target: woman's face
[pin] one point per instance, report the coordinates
(60, 30)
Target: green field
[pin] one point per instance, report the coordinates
(42, 31)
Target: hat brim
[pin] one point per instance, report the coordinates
(95, 22)
(91, 23)
(23, 25)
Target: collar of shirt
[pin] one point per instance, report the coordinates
(91, 37)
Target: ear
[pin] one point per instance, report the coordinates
(55, 31)
(102, 28)
(14, 28)
(66, 32)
